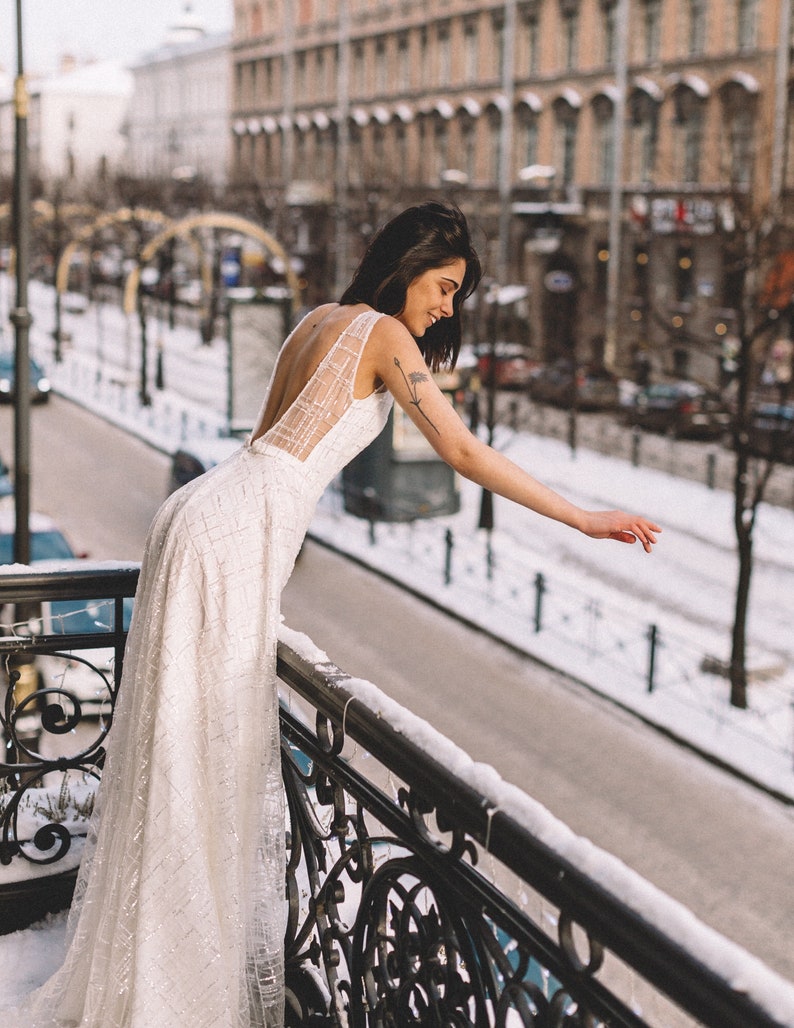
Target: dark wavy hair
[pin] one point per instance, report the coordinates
(428, 235)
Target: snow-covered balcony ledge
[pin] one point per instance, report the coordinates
(422, 888)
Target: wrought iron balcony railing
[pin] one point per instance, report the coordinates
(422, 888)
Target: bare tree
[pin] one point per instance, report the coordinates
(762, 267)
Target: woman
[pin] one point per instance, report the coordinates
(178, 917)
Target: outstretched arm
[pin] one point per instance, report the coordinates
(397, 361)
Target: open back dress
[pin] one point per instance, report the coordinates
(179, 911)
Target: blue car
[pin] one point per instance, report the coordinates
(39, 383)
(6, 485)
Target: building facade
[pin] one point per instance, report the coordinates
(75, 124)
(568, 130)
(177, 125)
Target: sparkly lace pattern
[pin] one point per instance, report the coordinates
(179, 912)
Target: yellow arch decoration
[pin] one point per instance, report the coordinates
(212, 219)
(121, 216)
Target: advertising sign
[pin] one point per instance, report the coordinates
(257, 328)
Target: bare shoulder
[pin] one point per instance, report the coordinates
(389, 332)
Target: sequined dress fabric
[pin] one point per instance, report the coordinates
(179, 913)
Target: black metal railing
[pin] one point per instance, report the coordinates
(422, 889)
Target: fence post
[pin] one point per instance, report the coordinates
(711, 468)
(540, 588)
(448, 544)
(653, 640)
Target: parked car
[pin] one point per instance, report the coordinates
(47, 542)
(512, 366)
(39, 383)
(197, 456)
(772, 431)
(6, 485)
(590, 388)
(682, 409)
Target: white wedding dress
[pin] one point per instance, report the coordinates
(179, 911)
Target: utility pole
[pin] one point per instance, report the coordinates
(616, 187)
(506, 141)
(20, 316)
(342, 149)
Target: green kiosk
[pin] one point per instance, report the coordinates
(399, 477)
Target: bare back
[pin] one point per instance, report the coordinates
(300, 358)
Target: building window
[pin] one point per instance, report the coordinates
(652, 24)
(566, 118)
(321, 71)
(381, 68)
(403, 64)
(697, 26)
(527, 138)
(643, 136)
(468, 135)
(471, 50)
(531, 35)
(401, 142)
(569, 36)
(608, 30)
(604, 119)
(423, 57)
(684, 277)
(359, 69)
(495, 141)
(499, 42)
(688, 133)
(444, 57)
(440, 148)
(300, 76)
(738, 110)
(746, 21)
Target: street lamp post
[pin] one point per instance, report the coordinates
(20, 316)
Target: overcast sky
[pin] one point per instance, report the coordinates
(96, 28)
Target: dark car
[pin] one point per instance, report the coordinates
(589, 388)
(683, 410)
(197, 456)
(39, 383)
(772, 431)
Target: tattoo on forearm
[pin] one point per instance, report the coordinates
(412, 380)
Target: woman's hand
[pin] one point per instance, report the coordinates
(615, 524)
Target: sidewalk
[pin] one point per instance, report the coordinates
(611, 617)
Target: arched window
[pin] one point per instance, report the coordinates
(604, 137)
(566, 118)
(526, 132)
(643, 111)
(738, 117)
(688, 121)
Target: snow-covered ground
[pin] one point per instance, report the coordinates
(601, 602)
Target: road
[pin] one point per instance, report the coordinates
(720, 847)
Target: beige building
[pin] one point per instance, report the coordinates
(567, 129)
